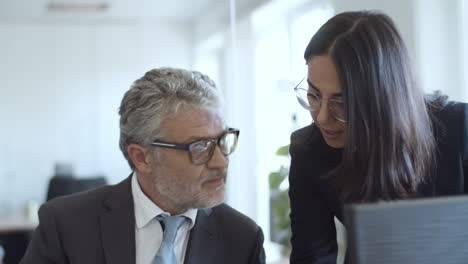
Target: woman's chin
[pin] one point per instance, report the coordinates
(336, 142)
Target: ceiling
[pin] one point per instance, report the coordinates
(173, 10)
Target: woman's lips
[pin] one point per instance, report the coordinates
(331, 134)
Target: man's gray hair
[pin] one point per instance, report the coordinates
(155, 96)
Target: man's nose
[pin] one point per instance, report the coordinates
(218, 160)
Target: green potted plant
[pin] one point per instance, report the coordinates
(280, 225)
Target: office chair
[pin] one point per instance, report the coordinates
(61, 185)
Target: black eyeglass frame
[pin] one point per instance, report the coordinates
(163, 144)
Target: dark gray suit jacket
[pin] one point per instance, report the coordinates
(98, 226)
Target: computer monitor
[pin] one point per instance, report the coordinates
(418, 231)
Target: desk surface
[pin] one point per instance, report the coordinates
(16, 223)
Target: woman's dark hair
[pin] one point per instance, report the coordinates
(390, 144)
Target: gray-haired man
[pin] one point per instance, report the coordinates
(169, 210)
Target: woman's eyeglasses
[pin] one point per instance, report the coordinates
(311, 101)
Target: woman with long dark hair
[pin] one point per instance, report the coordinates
(375, 137)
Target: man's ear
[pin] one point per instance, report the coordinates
(141, 158)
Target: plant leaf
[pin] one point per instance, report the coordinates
(283, 151)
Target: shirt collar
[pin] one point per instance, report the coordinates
(146, 210)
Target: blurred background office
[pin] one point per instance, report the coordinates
(65, 65)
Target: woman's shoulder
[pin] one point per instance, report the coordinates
(299, 136)
(453, 115)
(451, 126)
(450, 108)
(308, 143)
(304, 140)
(440, 106)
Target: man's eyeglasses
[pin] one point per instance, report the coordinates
(312, 101)
(202, 150)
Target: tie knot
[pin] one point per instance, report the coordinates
(171, 225)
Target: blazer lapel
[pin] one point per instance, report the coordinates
(118, 225)
(202, 246)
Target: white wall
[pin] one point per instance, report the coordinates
(440, 46)
(401, 11)
(463, 19)
(240, 101)
(434, 32)
(60, 92)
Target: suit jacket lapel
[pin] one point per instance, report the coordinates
(202, 246)
(118, 225)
